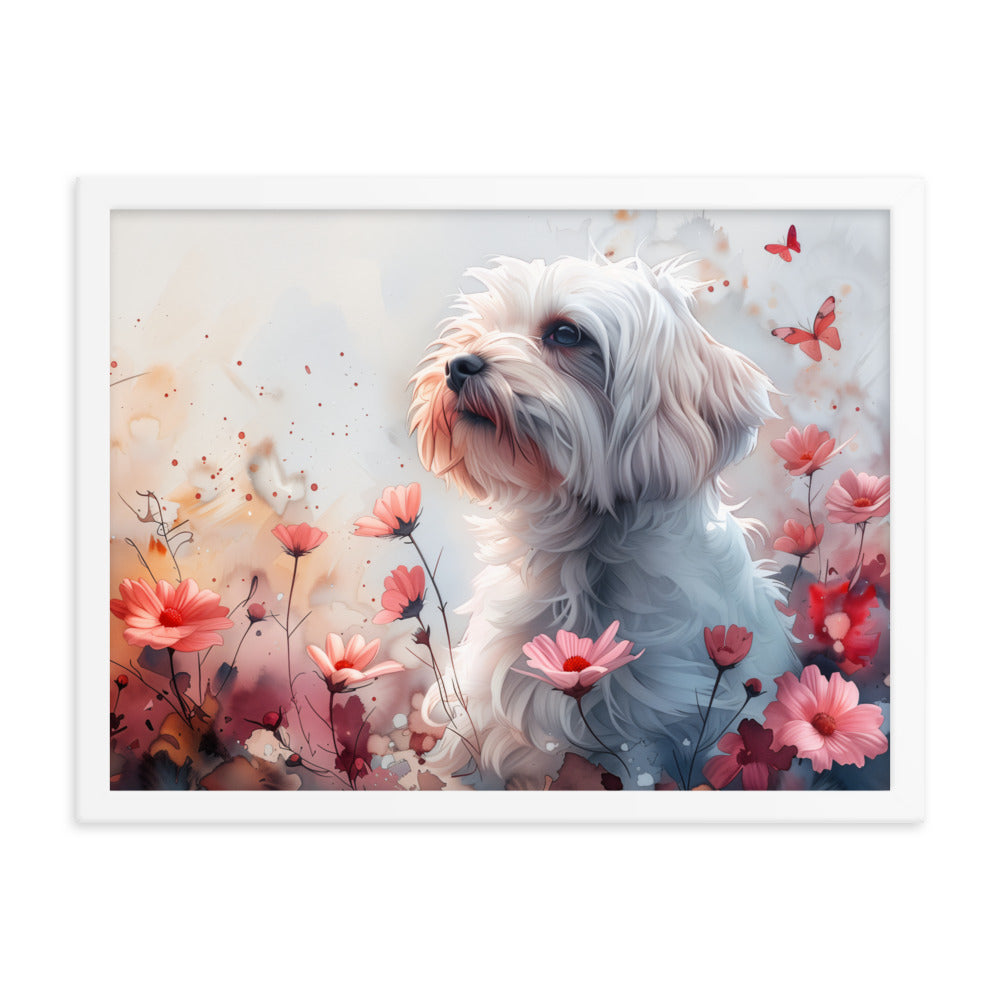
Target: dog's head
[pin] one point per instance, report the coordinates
(587, 378)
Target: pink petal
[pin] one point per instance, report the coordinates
(841, 696)
(755, 777)
(721, 770)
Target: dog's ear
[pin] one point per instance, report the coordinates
(687, 405)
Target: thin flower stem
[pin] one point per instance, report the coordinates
(795, 577)
(725, 728)
(134, 671)
(437, 674)
(117, 699)
(232, 665)
(177, 690)
(856, 569)
(697, 746)
(819, 556)
(579, 705)
(333, 733)
(447, 634)
(288, 653)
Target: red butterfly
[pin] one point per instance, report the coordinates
(783, 251)
(822, 331)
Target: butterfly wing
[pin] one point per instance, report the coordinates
(780, 249)
(824, 317)
(831, 337)
(802, 338)
(792, 241)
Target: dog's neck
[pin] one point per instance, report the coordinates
(583, 568)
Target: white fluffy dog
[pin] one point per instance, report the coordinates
(584, 405)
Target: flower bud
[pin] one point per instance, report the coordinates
(256, 612)
(294, 760)
(272, 720)
(753, 687)
(122, 681)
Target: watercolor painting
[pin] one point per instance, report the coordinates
(475, 501)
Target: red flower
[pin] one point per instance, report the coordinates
(299, 539)
(727, 647)
(806, 451)
(753, 687)
(841, 619)
(748, 751)
(799, 539)
(183, 618)
(404, 595)
(395, 513)
(122, 681)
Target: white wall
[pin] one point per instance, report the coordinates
(515, 88)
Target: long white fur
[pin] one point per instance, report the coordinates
(601, 475)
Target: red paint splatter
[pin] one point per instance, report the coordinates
(239, 362)
(308, 370)
(314, 487)
(725, 284)
(249, 496)
(241, 435)
(174, 462)
(275, 493)
(114, 364)
(197, 496)
(711, 288)
(857, 409)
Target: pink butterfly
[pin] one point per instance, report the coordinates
(783, 251)
(822, 332)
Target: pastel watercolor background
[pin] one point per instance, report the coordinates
(258, 371)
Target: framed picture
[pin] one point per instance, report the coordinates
(499, 488)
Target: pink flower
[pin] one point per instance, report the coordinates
(185, 619)
(574, 664)
(404, 595)
(749, 750)
(344, 666)
(806, 451)
(823, 720)
(856, 497)
(395, 513)
(299, 539)
(727, 647)
(799, 539)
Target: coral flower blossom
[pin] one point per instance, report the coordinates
(805, 451)
(727, 647)
(574, 664)
(823, 720)
(395, 513)
(344, 667)
(799, 539)
(404, 595)
(748, 751)
(842, 619)
(856, 497)
(299, 539)
(183, 618)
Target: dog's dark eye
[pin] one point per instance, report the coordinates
(564, 334)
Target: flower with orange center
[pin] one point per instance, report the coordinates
(299, 539)
(823, 720)
(395, 513)
(856, 497)
(805, 451)
(727, 647)
(573, 664)
(403, 596)
(184, 618)
(799, 539)
(344, 667)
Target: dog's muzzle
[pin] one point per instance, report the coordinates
(459, 370)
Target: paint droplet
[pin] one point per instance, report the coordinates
(114, 364)
(241, 435)
(857, 409)
(314, 487)
(308, 370)
(249, 496)
(725, 284)
(239, 362)
(711, 288)
(174, 462)
(197, 496)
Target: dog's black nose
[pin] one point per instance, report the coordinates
(461, 368)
